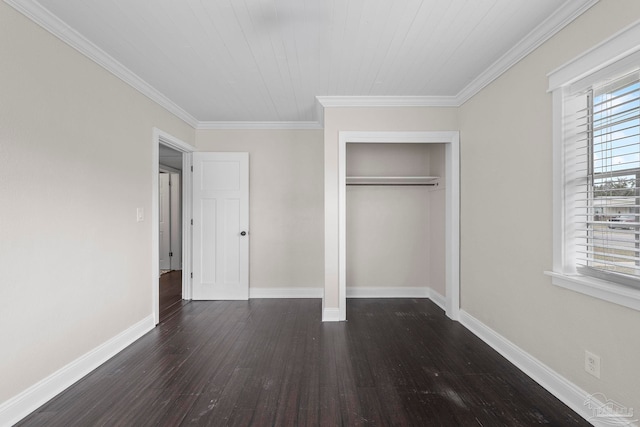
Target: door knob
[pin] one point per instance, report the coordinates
(243, 233)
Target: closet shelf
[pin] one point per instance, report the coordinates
(393, 180)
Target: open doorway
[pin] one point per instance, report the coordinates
(171, 157)
(170, 230)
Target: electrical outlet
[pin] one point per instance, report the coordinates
(140, 214)
(592, 363)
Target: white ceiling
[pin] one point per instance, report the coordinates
(267, 60)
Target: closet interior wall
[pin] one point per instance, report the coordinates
(395, 233)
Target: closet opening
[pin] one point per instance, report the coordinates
(395, 221)
(399, 217)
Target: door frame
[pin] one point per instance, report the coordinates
(161, 137)
(451, 139)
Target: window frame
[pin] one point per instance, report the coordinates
(607, 58)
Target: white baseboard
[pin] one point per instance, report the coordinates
(583, 403)
(390, 292)
(18, 407)
(331, 315)
(286, 292)
(438, 299)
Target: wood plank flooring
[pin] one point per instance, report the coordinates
(170, 293)
(396, 362)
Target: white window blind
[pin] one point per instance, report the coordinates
(602, 177)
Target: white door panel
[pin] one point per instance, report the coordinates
(176, 221)
(165, 221)
(220, 216)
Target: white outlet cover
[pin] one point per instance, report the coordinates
(592, 363)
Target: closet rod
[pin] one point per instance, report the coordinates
(392, 180)
(399, 184)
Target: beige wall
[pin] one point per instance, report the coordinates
(437, 240)
(506, 224)
(389, 229)
(437, 219)
(286, 202)
(75, 163)
(364, 119)
(387, 235)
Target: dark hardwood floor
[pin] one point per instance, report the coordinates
(170, 294)
(396, 362)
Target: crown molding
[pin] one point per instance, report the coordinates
(319, 109)
(568, 12)
(258, 125)
(387, 101)
(41, 16)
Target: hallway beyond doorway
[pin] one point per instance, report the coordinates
(170, 294)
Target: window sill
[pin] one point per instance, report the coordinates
(597, 288)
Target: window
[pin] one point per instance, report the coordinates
(602, 179)
(596, 134)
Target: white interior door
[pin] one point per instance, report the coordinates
(165, 221)
(220, 226)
